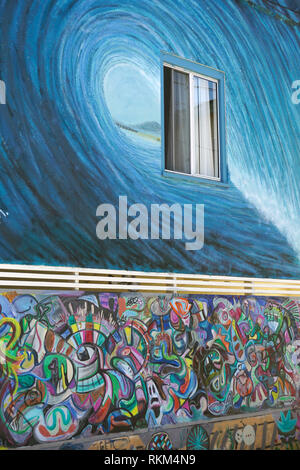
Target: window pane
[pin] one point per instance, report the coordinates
(206, 128)
(177, 120)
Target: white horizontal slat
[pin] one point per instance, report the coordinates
(122, 288)
(107, 286)
(171, 277)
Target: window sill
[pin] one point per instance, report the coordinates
(195, 179)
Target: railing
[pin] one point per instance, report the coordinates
(69, 278)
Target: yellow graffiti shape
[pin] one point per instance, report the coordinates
(10, 356)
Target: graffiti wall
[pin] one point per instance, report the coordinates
(83, 364)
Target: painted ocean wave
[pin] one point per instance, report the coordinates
(63, 154)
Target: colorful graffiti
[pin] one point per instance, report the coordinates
(160, 441)
(197, 439)
(133, 442)
(81, 364)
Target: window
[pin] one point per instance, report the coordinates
(193, 117)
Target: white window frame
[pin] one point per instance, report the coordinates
(192, 122)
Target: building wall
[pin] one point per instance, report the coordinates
(72, 70)
(80, 364)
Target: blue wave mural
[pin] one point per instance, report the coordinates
(75, 69)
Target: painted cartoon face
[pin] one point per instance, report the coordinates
(239, 436)
(160, 306)
(274, 317)
(249, 435)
